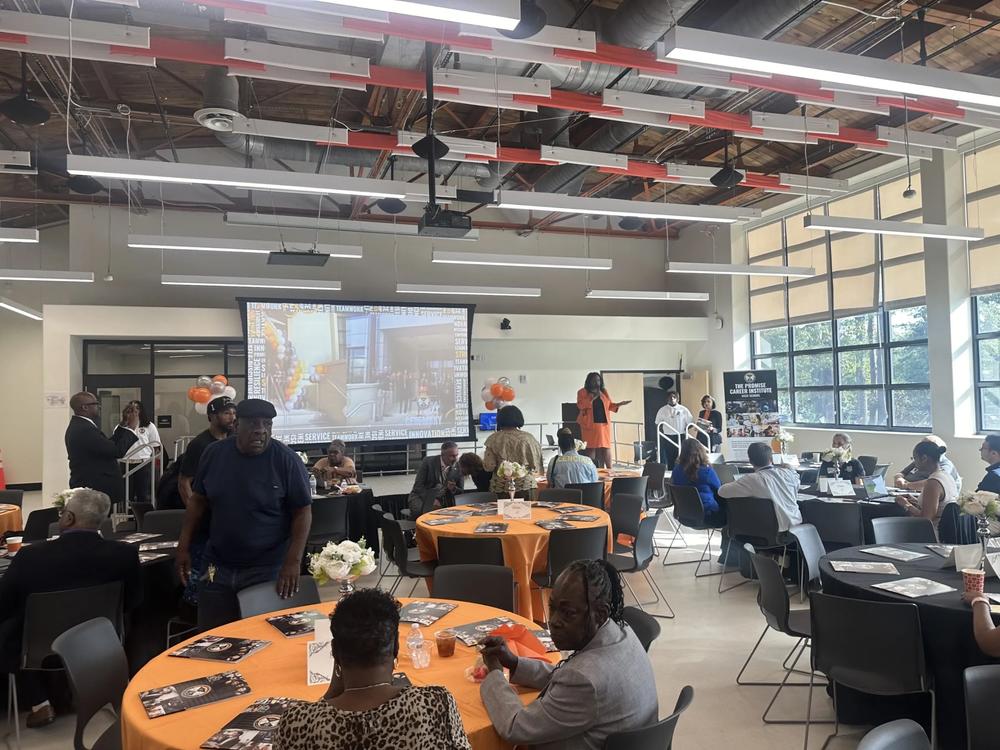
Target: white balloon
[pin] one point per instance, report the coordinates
(490, 381)
(204, 382)
(485, 394)
(229, 391)
(499, 403)
(217, 387)
(201, 408)
(504, 381)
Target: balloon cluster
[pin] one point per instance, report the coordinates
(207, 389)
(497, 393)
(287, 369)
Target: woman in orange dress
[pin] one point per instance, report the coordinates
(595, 407)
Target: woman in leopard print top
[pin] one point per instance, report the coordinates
(364, 709)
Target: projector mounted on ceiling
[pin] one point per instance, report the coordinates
(297, 258)
(440, 222)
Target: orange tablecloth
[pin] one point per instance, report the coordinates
(525, 548)
(604, 476)
(10, 518)
(280, 670)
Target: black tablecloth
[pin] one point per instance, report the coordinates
(949, 645)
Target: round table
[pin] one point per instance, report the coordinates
(525, 547)
(10, 518)
(280, 670)
(605, 476)
(949, 645)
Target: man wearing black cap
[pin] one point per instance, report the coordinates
(257, 493)
(221, 419)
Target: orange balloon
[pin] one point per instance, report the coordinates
(491, 406)
(191, 393)
(202, 395)
(508, 393)
(496, 390)
(220, 379)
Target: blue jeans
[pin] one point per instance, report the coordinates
(219, 584)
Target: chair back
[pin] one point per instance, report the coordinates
(107, 528)
(626, 510)
(489, 585)
(642, 548)
(97, 669)
(166, 522)
(688, 508)
(902, 530)
(457, 550)
(139, 510)
(753, 520)
(901, 734)
(50, 614)
(655, 473)
(838, 524)
(12, 497)
(982, 686)
(469, 498)
(809, 476)
(658, 736)
(560, 495)
(772, 597)
(568, 545)
(393, 542)
(329, 520)
(868, 463)
(810, 547)
(956, 527)
(629, 486)
(262, 598)
(593, 493)
(880, 470)
(725, 472)
(644, 625)
(36, 528)
(844, 650)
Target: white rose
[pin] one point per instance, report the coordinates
(366, 565)
(974, 507)
(335, 569)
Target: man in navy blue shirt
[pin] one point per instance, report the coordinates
(256, 491)
(990, 453)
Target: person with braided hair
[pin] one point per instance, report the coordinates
(605, 686)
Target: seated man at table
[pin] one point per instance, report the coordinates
(606, 686)
(990, 453)
(570, 467)
(437, 481)
(77, 558)
(835, 466)
(336, 467)
(779, 484)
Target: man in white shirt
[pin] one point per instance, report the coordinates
(678, 417)
(779, 484)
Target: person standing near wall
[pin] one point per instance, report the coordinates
(595, 408)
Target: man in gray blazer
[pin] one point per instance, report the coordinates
(438, 479)
(606, 686)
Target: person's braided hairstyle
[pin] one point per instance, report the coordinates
(602, 583)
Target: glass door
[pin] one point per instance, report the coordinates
(114, 392)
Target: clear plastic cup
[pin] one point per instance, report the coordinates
(445, 641)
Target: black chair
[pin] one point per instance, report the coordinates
(725, 472)
(625, 512)
(628, 486)
(689, 512)
(560, 495)
(457, 550)
(48, 615)
(36, 528)
(838, 524)
(843, 649)
(655, 474)
(902, 734)
(754, 521)
(810, 551)
(644, 625)
(956, 527)
(139, 510)
(593, 493)
(809, 476)
(396, 550)
(12, 497)
(567, 545)
(903, 530)
(329, 523)
(658, 736)
(640, 554)
(98, 675)
(412, 553)
(469, 498)
(880, 470)
(166, 522)
(869, 464)
(107, 528)
(490, 585)
(982, 686)
(262, 598)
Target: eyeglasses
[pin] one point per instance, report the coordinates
(92, 403)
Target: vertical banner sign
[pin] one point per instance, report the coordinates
(751, 409)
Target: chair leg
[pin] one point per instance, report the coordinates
(13, 717)
(783, 684)
(836, 718)
(677, 530)
(933, 719)
(809, 706)
(658, 593)
(415, 582)
(729, 545)
(752, 652)
(395, 585)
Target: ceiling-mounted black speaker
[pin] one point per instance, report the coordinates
(391, 205)
(629, 223)
(726, 178)
(422, 148)
(22, 109)
(84, 184)
(532, 21)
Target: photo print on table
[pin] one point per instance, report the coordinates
(491, 528)
(253, 728)
(172, 699)
(854, 566)
(220, 648)
(474, 632)
(295, 624)
(445, 521)
(554, 524)
(914, 588)
(424, 613)
(894, 553)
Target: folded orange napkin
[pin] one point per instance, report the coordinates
(521, 641)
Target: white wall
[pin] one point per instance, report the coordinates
(21, 398)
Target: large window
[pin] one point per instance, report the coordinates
(849, 343)
(982, 185)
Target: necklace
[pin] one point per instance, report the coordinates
(367, 687)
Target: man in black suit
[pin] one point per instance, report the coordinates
(93, 457)
(437, 481)
(78, 558)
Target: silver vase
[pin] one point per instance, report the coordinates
(346, 586)
(983, 532)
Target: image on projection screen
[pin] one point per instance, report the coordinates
(360, 372)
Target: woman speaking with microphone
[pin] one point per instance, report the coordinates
(595, 406)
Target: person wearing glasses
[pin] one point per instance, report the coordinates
(93, 456)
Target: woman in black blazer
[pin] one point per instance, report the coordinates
(710, 414)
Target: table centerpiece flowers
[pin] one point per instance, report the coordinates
(985, 508)
(510, 472)
(836, 456)
(785, 438)
(343, 562)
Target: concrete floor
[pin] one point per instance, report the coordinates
(704, 646)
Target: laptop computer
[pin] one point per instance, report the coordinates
(872, 488)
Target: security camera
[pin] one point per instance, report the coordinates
(505, 325)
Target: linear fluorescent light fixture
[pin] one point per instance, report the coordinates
(231, 245)
(9, 304)
(744, 54)
(521, 261)
(13, 234)
(652, 296)
(497, 14)
(247, 219)
(733, 269)
(568, 204)
(881, 226)
(475, 291)
(251, 179)
(169, 279)
(38, 274)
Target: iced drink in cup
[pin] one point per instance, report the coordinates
(445, 643)
(13, 545)
(974, 580)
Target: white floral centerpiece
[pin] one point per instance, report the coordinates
(785, 438)
(510, 472)
(985, 508)
(581, 445)
(342, 561)
(837, 455)
(60, 499)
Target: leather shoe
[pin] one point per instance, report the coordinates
(41, 718)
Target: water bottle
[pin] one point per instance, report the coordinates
(312, 484)
(417, 648)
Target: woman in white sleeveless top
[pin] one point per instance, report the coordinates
(939, 489)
